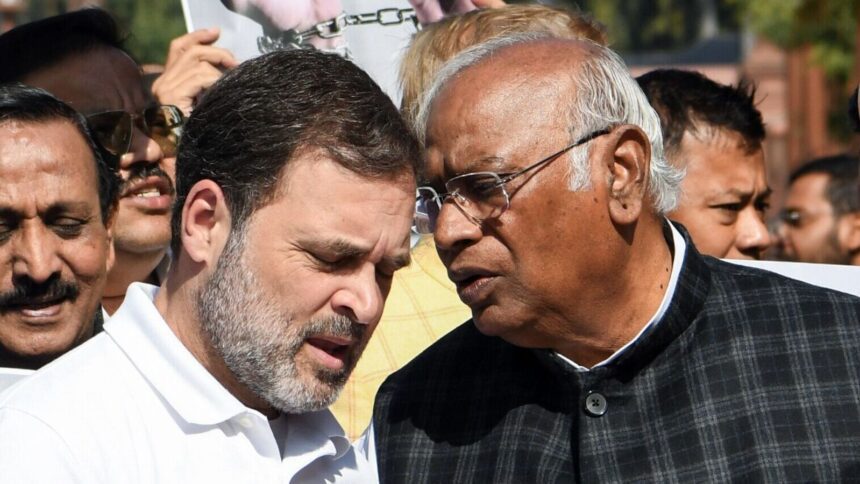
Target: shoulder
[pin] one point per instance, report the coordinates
(736, 284)
(31, 450)
(464, 362)
(461, 348)
(78, 383)
(767, 311)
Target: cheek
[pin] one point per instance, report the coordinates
(87, 258)
(169, 166)
(717, 240)
(303, 293)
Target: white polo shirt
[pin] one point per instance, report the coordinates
(133, 405)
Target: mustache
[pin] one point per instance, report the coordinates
(338, 326)
(142, 171)
(27, 292)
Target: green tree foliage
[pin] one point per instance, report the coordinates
(648, 25)
(828, 26)
(152, 24)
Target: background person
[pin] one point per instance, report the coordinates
(821, 218)
(79, 58)
(714, 133)
(57, 202)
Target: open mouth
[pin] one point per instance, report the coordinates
(37, 309)
(331, 351)
(150, 187)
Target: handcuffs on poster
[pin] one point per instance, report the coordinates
(329, 29)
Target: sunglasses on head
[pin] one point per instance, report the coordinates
(114, 129)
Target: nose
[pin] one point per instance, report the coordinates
(360, 297)
(752, 236)
(455, 228)
(34, 254)
(143, 148)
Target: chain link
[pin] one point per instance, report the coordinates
(291, 39)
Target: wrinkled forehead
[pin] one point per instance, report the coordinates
(502, 104)
(517, 81)
(483, 121)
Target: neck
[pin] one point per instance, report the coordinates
(176, 301)
(9, 360)
(129, 267)
(613, 316)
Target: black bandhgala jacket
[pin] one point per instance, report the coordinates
(749, 376)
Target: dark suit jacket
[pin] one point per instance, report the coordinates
(749, 376)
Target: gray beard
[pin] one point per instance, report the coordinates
(259, 342)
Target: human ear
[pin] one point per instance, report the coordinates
(206, 222)
(627, 167)
(849, 232)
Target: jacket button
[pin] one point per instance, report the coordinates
(595, 404)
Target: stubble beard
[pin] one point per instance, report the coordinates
(259, 342)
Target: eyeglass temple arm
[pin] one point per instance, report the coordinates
(555, 155)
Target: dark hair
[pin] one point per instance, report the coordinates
(842, 189)
(252, 122)
(687, 101)
(36, 45)
(33, 105)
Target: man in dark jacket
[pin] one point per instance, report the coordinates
(603, 347)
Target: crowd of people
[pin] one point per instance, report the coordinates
(268, 272)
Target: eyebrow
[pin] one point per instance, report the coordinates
(487, 163)
(744, 194)
(52, 210)
(345, 249)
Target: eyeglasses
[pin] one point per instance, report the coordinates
(114, 129)
(480, 195)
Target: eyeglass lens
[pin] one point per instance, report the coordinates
(427, 205)
(481, 195)
(113, 129)
(160, 123)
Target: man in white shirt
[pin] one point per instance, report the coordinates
(295, 192)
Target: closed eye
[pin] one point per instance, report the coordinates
(68, 227)
(731, 207)
(6, 229)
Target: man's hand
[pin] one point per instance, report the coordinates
(193, 64)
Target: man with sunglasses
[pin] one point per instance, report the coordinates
(602, 347)
(79, 57)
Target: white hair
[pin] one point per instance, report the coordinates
(604, 95)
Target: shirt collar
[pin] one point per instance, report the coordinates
(315, 433)
(678, 248)
(141, 332)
